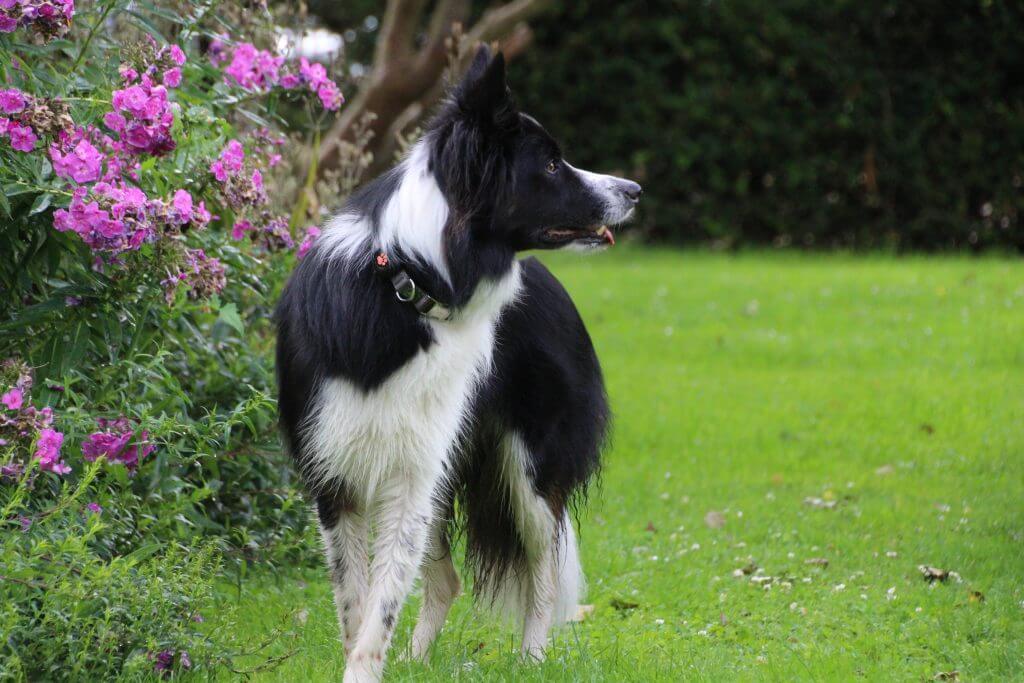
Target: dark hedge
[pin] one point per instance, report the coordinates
(861, 123)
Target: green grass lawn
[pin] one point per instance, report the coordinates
(890, 389)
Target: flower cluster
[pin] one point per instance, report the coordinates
(117, 442)
(203, 275)
(241, 186)
(26, 118)
(142, 115)
(112, 218)
(22, 424)
(314, 76)
(48, 18)
(79, 155)
(261, 70)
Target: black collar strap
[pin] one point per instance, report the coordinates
(408, 292)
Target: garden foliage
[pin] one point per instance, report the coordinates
(795, 122)
(141, 253)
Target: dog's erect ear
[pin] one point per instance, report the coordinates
(484, 94)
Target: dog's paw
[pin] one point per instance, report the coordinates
(533, 654)
(363, 667)
(416, 652)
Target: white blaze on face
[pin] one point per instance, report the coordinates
(617, 207)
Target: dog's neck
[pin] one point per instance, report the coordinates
(439, 247)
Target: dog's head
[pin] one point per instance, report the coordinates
(505, 176)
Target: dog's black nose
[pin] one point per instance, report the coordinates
(631, 190)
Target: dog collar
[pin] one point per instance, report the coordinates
(408, 292)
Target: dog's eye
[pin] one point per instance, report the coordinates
(552, 166)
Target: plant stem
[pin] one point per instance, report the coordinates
(92, 32)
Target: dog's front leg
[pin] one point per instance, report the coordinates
(402, 524)
(346, 538)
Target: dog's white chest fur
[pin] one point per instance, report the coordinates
(407, 426)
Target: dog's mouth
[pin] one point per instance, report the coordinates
(599, 235)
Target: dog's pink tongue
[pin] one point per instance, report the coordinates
(609, 237)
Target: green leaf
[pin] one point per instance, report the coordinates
(77, 346)
(229, 316)
(42, 203)
(142, 553)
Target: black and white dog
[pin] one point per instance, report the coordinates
(421, 364)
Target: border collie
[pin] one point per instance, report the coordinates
(420, 363)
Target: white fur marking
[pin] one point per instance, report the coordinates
(553, 587)
(413, 220)
(415, 217)
(617, 208)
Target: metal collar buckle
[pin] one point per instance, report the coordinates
(407, 292)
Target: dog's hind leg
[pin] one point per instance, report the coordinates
(403, 515)
(345, 536)
(440, 588)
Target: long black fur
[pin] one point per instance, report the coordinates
(338, 318)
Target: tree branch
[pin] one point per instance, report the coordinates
(396, 32)
(404, 80)
(498, 21)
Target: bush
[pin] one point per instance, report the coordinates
(71, 610)
(141, 256)
(851, 123)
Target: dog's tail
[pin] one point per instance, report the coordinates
(572, 585)
(512, 532)
(507, 589)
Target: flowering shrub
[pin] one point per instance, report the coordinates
(68, 611)
(141, 254)
(47, 19)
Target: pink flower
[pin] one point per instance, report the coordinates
(11, 101)
(313, 72)
(172, 77)
(13, 399)
(94, 508)
(289, 81)
(111, 218)
(48, 452)
(23, 138)
(128, 74)
(115, 443)
(82, 162)
(182, 204)
(239, 229)
(218, 50)
(307, 242)
(330, 96)
(200, 216)
(218, 171)
(142, 117)
(230, 161)
(253, 69)
(177, 55)
(233, 156)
